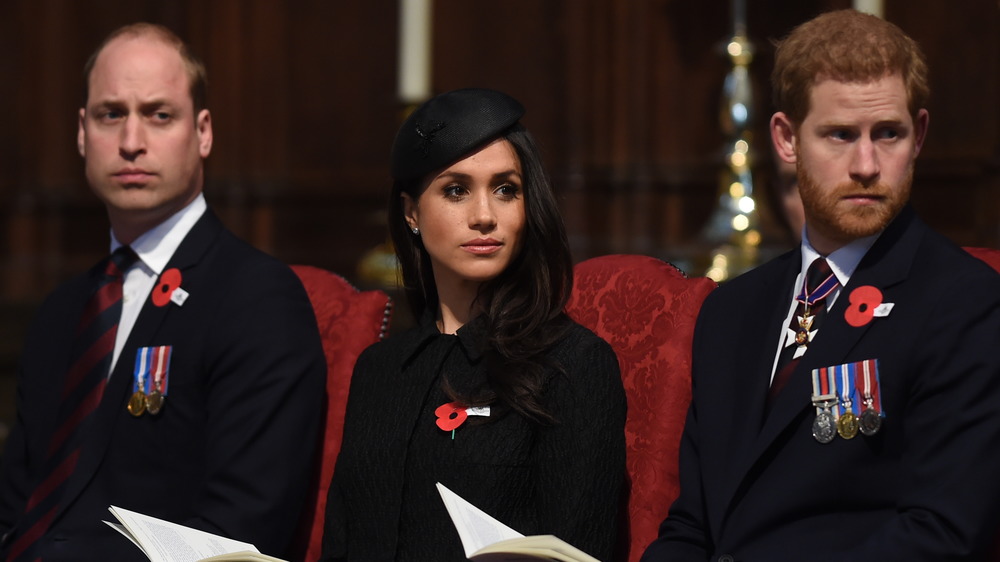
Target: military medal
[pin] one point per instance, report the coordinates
(805, 323)
(152, 365)
(838, 391)
(870, 420)
(847, 422)
(160, 364)
(154, 402)
(804, 333)
(137, 403)
(847, 425)
(824, 427)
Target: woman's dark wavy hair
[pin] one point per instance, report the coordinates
(523, 306)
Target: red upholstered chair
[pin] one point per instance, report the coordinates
(349, 321)
(988, 255)
(646, 309)
(992, 257)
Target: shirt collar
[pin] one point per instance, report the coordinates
(843, 261)
(472, 336)
(157, 245)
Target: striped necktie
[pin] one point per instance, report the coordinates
(820, 283)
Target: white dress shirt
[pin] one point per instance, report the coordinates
(843, 262)
(154, 248)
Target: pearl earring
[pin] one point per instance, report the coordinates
(416, 231)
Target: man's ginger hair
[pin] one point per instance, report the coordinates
(846, 46)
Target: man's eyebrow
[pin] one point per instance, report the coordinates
(119, 103)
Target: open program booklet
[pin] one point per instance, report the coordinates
(487, 540)
(163, 541)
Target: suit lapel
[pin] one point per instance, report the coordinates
(62, 341)
(758, 350)
(116, 395)
(761, 348)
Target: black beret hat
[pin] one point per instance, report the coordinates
(449, 126)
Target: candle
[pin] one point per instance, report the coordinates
(414, 74)
(873, 7)
(739, 17)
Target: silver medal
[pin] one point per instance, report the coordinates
(824, 426)
(870, 422)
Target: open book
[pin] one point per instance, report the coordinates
(163, 541)
(487, 540)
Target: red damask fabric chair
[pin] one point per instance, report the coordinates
(992, 257)
(988, 255)
(349, 321)
(646, 309)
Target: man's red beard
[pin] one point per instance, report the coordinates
(839, 221)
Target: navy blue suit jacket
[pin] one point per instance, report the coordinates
(231, 452)
(926, 487)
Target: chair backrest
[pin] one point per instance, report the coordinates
(989, 255)
(992, 257)
(646, 309)
(349, 321)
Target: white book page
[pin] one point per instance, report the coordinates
(551, 546)
(124, 533)
(475, 527)
(163, 541)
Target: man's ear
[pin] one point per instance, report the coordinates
(783, 137)
(81, 133)
(203, 125)
(920, 125)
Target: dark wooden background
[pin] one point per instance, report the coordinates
(623, 95)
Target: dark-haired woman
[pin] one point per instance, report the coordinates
(496, 394)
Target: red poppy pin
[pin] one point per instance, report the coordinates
(168, 288)
(863, 303)
(450, 415)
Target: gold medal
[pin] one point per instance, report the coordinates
(801, 338)
(137, 403)
(154, 402)
(806, 321)
(847, 425)
(805, 324)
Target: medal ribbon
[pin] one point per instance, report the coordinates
(152, 369)
(820, 292)
(867, 378)
(847, 390)
(142, 366)
(822, 380)
(163, 354)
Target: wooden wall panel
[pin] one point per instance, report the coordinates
(957, 187)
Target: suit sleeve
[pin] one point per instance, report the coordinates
(15, 481)
(580, 460)
(13, 476)
(265, 380)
